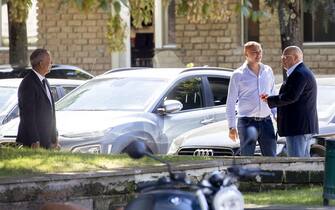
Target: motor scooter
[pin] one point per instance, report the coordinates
(217, 191)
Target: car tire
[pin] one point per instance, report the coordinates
(317, 150)
(148, 148)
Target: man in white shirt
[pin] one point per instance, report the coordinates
(244, 105)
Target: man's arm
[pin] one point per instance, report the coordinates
(272, 93)
(27, 103)
(292, 91)
(231, 103)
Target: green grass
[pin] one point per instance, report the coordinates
(27, 162)
(307, 196)
(18, 162)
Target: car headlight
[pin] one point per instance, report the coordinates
(228, 198)
(94, 149)
(175, 145)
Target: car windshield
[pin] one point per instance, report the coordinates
(126, 94)
(7, 97)
(326, 101)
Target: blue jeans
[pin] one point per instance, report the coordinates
(266, 136)
(299, 146)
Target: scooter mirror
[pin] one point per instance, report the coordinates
(136, 149)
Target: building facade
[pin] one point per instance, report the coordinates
(78, 38)
(221, 44)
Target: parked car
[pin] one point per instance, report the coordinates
(213, 139)
(59, 71)
(123, 69)
(156, 105)
(8, 95)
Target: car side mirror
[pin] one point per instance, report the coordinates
(170, 106)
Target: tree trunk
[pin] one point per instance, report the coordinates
(290, 24)
(18, 42)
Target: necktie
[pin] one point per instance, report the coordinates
(44, 82)
(45, 86)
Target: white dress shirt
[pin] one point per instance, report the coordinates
(244, 92)
(290, 70)
(41, 77)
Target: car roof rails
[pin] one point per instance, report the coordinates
(207, 68)
(124, 69)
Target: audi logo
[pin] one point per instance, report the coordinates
(203, 152)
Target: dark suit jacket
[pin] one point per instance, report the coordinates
(37, 114)
(296, 102)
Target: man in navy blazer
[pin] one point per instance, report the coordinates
(37, 126)
(297, 117)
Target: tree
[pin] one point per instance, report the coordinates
(290, 18)
(18, 42)
(289, 14)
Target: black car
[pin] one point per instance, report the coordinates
(59, 71)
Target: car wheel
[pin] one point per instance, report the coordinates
(148, 148)
(317, 150)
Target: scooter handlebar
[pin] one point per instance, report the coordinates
(240, 171)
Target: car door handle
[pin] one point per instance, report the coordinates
(207, 121)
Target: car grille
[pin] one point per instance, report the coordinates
(206, 151)
(10, 144)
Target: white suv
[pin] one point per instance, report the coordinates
(155, 105)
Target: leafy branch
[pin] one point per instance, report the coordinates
(19, 10)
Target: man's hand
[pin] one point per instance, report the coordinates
(35, 145)
(264, 97)
(233, 134)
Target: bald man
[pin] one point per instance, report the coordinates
(297, 117)
(245, 108)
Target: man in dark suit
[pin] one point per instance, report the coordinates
(37, 126)
(297, 117)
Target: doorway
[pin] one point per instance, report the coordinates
(142, 50)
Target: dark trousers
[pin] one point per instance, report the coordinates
(266, 136)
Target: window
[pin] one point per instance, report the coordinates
(14, 113)
(170, 24)
(132, 94)
(31, 24)
(251, 28)
(54, 93)
(188, 93)
(319, 26)
(68, 74)
(68, 89)
(219, 87)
